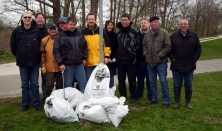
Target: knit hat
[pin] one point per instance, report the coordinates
(154, 18)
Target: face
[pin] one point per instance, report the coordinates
(183, 25)
(144, 24)
(91, 21)
(110, 27)
(155, 24)
(52, 31)
(62, 25)
(71, 26)
(125, 21)
(40, 20)
(27, 18)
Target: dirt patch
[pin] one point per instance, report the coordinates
(212, 119)
(84, 123)
(137, 108)
(6, 100)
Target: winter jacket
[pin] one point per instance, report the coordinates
(48, 60)
(139, 53)
(186, 51)
(127, 44)
(70, 48)
(156, 47)
(25, 45)
(113, 45)
(93, 44)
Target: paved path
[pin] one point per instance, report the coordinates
(10, 83)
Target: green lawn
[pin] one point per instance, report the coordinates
(206, 114)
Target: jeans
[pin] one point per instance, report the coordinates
(161, 70)
(130, 71)
(178, 80)
(141, 75)
(30, 87)
(77, 72)
(89, 70)
(112, 74)
(43, 85)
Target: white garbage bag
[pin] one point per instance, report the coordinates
(72, 95)
(105, 101)
(59, 110)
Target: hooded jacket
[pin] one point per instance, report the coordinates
(127, 44)
(25, 45)
(186, 51)
(93, 44)
(70, 48)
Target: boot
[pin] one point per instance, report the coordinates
(177, 98)
(188, 95)
(48, 92)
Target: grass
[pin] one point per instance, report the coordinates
(206, 113)
(6, 57)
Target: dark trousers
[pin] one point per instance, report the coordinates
(130, 71)
(51, 78)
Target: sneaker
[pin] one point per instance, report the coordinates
(132, 100)
(37, 107)
(165, 105)
(151, 102)
(25, 107)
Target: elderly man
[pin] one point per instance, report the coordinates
(25, 46)
(186, 50)
(156, 47)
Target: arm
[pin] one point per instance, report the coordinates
(171, 54)
(42, 63)
(107, 50)
(166, 46)
(57, 49)
(13, 43)
(145, 48)
(198, 49)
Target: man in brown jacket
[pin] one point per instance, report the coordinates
(48, 62)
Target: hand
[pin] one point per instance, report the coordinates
(83, 62)
(106, 61)
(62, 68)
(173, 60)
(114, 59)
(43, 70)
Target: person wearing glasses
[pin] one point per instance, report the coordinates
(25, 46)
(49, 66)
(70, 52)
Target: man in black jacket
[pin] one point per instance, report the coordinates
(25, 46)
(126, 56)
(185, 52)
(70, 52)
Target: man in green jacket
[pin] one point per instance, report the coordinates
(156, 46)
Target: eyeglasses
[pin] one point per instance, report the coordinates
(25, 17)
(53, 28)
(62, 22)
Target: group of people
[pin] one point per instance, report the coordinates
(67, 55)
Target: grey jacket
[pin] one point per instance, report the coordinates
(156, 47)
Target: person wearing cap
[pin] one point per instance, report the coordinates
(25, 43)
(70, 52)
(49, 66)
(156, 47)
(61, 24)
(186, 50)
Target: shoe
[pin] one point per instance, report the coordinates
(37, 107)
(132, 100)
(176, 105)
(151, 102)
(165, 105)
(25, 107)
(189, 106)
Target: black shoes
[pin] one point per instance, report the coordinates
(25, 107)
(37, 107)
(151, 102)
(132, 100)
(165, 105)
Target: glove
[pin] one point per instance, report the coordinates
(114, 59)
(43, 70)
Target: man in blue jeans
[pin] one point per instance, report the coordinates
(25, 46)
(186, 50)
(156, 46)
(70, 52)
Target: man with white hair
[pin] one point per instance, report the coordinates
(156, 47)
(25, 46)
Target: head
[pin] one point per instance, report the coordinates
(62, 22)
(109, 26)
(27, 18)
(71, 24)
(51, 29)
(40, 19)
(155, 23)
(125, 20)
(183, 25)
(144, 24)
(91, 19)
